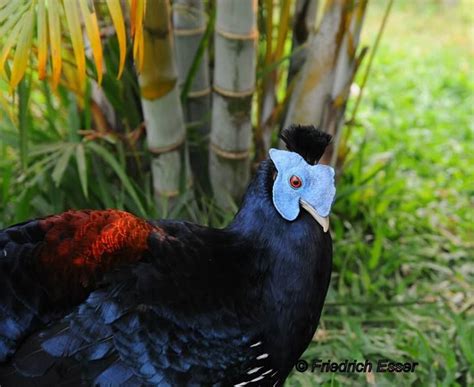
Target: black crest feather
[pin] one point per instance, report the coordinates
(306, 140)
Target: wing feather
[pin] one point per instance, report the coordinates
(172, 314)
(49, 265)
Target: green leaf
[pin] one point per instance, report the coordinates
(87, 113)
(12, 20)
(466, 338)
(377, 248)
(51, 112)
(3, 3)
(82, 168)
(74, 123)
(24, 89)
(120, 172)
(62, 164)
(102, 189)
(46, 148)
(5, 178)
(7, 11)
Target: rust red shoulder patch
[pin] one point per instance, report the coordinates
(80, 246)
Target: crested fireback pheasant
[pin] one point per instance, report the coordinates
(106, 298)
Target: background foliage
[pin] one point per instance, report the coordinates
(403, 220)
(403, 287)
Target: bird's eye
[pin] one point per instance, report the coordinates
(295, 182)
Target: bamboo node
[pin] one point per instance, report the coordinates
(199, 93)
(231, 93)
(172, 193)
(166, 194)
(230, 35)
(157, 32)
(167, 148)
(232, 155)
(190, 31)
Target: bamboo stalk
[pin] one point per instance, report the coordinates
(313, 88)
(161, 105)
(189, 21)
(268, 101)
(266, 88)
(346, 67)
(234, 84)
(303, 24)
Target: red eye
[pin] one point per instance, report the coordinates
(295, 182)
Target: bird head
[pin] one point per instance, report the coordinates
(300, 182)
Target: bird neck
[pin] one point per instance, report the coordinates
(293, 260)
(257, 216)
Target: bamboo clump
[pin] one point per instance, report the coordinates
(322, 87)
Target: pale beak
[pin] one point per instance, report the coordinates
(323, 221)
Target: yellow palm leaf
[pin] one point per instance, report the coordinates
(42, 40)
(72, 81)
(138, 11)
(133, 16)
(22, 52)
(17, 31)
(55, 39)
(92, 29)
(73, 20)
(117, 17)
(9, 43)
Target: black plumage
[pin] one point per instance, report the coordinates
(306, 141)
(196, 306)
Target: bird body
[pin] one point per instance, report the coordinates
(106, 298)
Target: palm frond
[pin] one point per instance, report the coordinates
(45, 28)
(55, 39)
(119, 24)
(73, 20)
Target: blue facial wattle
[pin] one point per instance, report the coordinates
(315, 184)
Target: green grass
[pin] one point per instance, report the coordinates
(403, 282)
